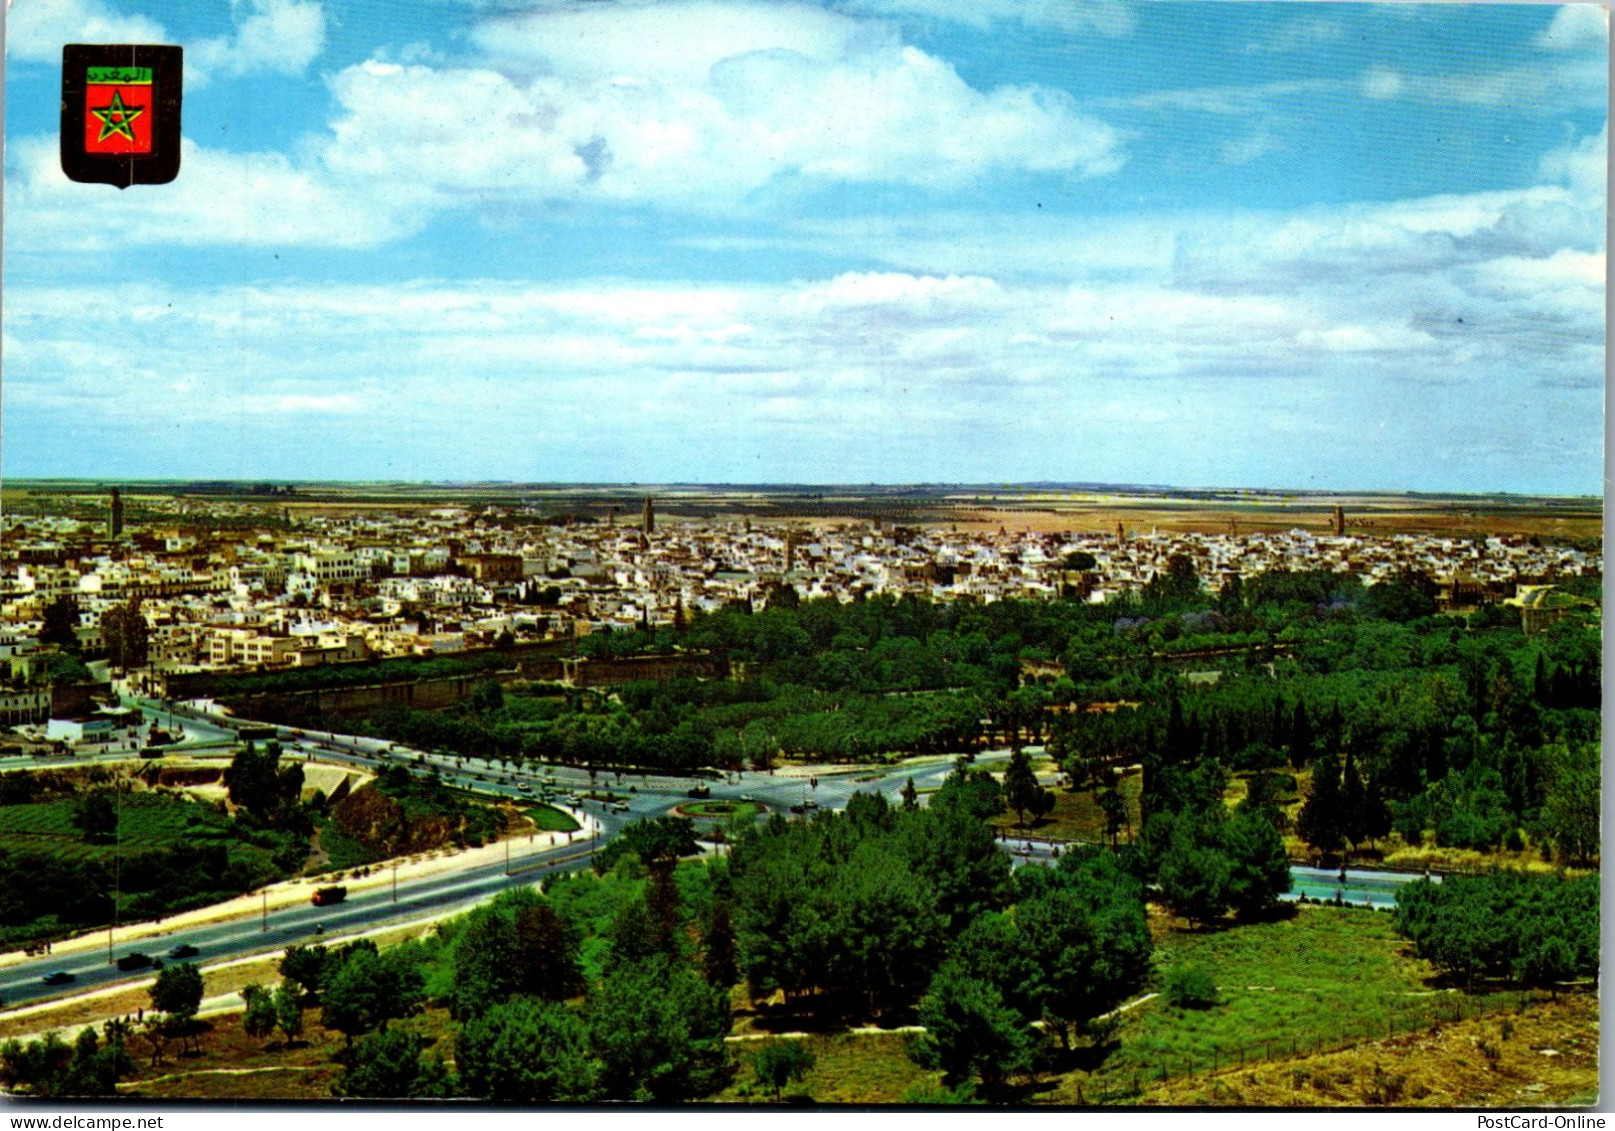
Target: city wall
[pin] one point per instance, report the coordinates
(317, 707)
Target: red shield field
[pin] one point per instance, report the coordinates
(118, 115)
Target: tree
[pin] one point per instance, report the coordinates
(970, 1031)
(1114, 806)
(777, 1063)
(657, 1030)
(660, 839)
(51, 1069)
(719, 958)
(127, 637)
(516, 944)
(1195, 875)
(289, 1010)
(911, 796)
(1179, 582)
(388, 1065)
(1086, 943)
(61, 621)
(257, 783)
(1404, 596)
(177, 995)
(974, 792)
(1319, 821)
(1570, 801)
(95, 817)
(306, 966)
(261, 1018)
(1021, 790)
(1191, 987)
(527, 1051)
(1260, 869)
(369, 989)
(178, 991)
(1353, 802)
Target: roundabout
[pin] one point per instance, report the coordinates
(720, 810)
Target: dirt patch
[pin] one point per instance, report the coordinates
(1543, 1056)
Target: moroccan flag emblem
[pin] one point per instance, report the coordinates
(120, 113)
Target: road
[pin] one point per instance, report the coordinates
(235, 938)
(645, 796)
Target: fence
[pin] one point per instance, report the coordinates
(1441, 1010)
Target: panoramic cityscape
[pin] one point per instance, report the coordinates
(743, 552)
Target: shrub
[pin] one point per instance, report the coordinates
(1191, 987)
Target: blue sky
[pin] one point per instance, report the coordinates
(1303, 245)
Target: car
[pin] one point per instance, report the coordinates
(324, 897)
(319, 928)
(135, 960)
(810, 804)
(183, 950)
(59, 978)
(746, 797)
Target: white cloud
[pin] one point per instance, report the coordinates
(36, 30)
(219, 198)
(1382, 83)
(1297, 35)
(1583, 165)
(1577, 27)
(674, 43)
(575, 104)
(299, 404)
(1107, 17)
(281, 36)
(1244, 150)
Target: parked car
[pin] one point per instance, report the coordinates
(58, 978)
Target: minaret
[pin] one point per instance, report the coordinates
(649, 524)
(1340, 521)
(115, 519)
(790, 550)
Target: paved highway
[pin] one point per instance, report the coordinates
(643, 796)
(235, 938)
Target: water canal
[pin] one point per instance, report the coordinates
(1359, 888)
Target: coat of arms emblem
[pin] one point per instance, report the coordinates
(120, 113)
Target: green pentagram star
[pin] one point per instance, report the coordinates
(116, 118)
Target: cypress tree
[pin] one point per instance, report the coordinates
(1319, 819)
(1353, 809)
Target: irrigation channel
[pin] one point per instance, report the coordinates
(1359, 887)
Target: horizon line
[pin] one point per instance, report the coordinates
(798, 485)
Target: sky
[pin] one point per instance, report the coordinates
(1312, 246)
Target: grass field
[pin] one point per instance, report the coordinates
(1325, 976)
(549, 819)
(146, 820)
(1076, 816)
(849, 1068)
(342, 851)
(1544, 1055)
(719, 810)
